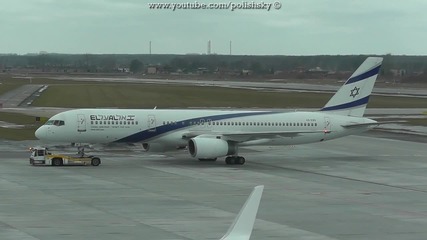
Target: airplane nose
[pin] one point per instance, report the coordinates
(40, 133)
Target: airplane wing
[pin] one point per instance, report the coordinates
(242, 226)
(249, 136)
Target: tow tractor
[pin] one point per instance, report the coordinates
(41, 156)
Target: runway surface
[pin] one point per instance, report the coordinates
(354, 188)
(19, 96)
(273, 85)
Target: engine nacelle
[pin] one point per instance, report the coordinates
(157, 147)
(200, 147)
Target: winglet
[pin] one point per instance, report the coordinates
(241, 229)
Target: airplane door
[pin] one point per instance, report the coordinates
(49, 131)
(81, 123)
(151, 123)
(209, 124)
(327, 125)
(204, 124)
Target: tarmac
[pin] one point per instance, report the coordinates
(358, 187)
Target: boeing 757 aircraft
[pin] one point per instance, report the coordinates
(209, 134)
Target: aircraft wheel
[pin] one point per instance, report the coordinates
(57, 162)
(230, 160)
(95, 161)
(235, 160)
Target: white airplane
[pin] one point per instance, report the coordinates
(209, 134)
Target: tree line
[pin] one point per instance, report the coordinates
(191, 63)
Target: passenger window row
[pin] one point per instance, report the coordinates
(114, 122)
(280, 124)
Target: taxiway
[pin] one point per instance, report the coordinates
(359, 187)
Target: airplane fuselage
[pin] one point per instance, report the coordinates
(169, 127)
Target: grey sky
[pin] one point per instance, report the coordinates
(300, 27)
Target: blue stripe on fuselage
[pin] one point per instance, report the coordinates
(370, 73)
(347, 105)
(168, 128)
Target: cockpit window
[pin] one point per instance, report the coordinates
(55, 122)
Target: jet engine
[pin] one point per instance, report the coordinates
(209, 148)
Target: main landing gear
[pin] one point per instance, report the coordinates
(231, 160)
(235, 160)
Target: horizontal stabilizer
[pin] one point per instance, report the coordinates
(360, 125)
(241, 229)
(370, 124)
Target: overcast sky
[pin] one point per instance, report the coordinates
(299, 27)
